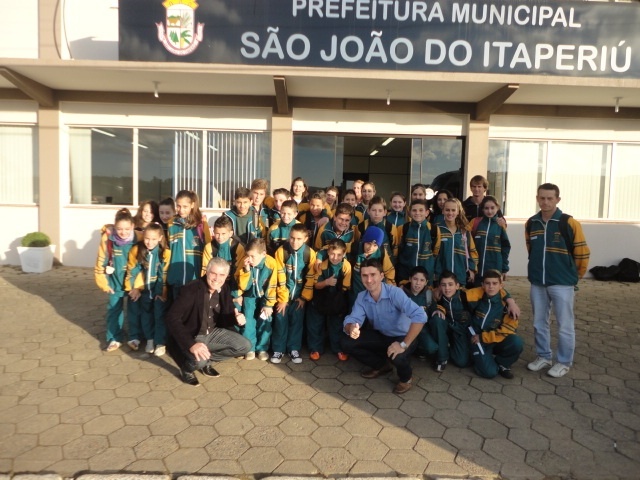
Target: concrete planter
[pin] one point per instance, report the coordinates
(36, 259)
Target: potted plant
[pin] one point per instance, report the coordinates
(36, 252)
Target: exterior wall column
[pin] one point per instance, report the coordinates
(50, 205)
(477, 152)
(281, 151)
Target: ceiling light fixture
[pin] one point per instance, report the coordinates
(388, 97)
(373, 152)
(388, 141)
(617, 108)
(155, 89)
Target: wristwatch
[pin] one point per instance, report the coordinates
(403, 345)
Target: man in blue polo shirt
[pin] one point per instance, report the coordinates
(393, 323)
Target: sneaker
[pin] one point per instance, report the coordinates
(403, 387)
(209, 371)
(539, 363)
(558, 370)
(134, 344)
(150, 347)
(276, 357)
(160, 350)
(113, 346)
(343, 357)
(295, 356)
(314, 356)
(264, 356)
(440, 366)
(505, 372)
(250, 356)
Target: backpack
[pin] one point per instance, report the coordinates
(605, 274)
(628, 270)
(563, 226)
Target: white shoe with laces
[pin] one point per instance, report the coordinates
(295, 356)
(558, 370)
(539, 363)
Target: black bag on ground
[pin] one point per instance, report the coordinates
(605, 274)
(629, 270)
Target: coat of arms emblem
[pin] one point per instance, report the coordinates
(181, 36)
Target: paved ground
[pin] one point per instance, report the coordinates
(66, 407)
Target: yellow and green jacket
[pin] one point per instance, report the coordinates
(490, 318)
(151, 280)
(259, 282)
(295, 276)
(110, 254)
(551, 261)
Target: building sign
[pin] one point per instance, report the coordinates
(585, 39)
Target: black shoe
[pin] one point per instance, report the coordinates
(209, 371)
(189, 378)
(505, 372)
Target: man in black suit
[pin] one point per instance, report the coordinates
(201, 324)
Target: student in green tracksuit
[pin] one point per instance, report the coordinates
(419, 291)
(416, 241)
(494, 323)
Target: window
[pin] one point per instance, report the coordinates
(596, 180)
(18, 165)
(106, 163)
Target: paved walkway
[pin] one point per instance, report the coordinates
(66, 407)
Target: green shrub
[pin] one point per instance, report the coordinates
(35, 239)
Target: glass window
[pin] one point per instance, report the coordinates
(596, 180)
(18, 165)
(155, 164)
(625, 183)
(515, 169)
(101, 165)
(212, 164)
(437, 162)
(318, 159)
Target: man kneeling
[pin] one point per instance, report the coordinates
(393, 323)
(201, 324)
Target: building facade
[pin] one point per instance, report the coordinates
(105, 104)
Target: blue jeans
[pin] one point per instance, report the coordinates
(561, 297)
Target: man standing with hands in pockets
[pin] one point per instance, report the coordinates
(382, 327)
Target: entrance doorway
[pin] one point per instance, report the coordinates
(391, 163)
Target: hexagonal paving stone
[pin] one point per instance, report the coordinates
(298, 426)
(112, 459)
(406, 462)
(488, 428)
(504, 450)
(327, 417)
(196, 436)
(205, 416)
(187, 460)
(299, 408)
(364, 427)
(328, 400)
(333, 461)
(267, 417)
(169, 426)
(129, 436)
(239, 408)
(227, 448)
(158, 446)
(297, 448)
(331, 436)
(234, 426)
(368, 449)
(264, 436)
(463, 439)
(103, 425)
(260, 459)
(85, 447)
(273, 385)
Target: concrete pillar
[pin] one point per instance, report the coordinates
(477, 152)
(281, 151)
(50, 204)
(48, 28)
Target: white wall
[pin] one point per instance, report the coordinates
(19, 27)
(609, 243)
(19, 220)
(89, 29)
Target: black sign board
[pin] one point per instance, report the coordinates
(583, 39)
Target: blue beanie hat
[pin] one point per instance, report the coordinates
(373, 234)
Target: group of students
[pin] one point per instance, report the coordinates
(295, 260)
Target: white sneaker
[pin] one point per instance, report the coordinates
(539, 363)
(276, 357)
(250, 356)
(295, 356)
(113, 346)
(134, 344)
(558, 370)
(264, 356)
(150, 346)
(160, 350)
